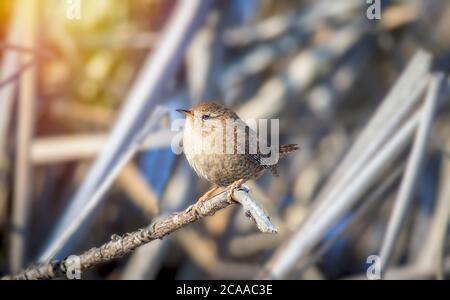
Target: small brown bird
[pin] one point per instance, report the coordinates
(220, 153)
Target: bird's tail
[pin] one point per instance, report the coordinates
(285, 149)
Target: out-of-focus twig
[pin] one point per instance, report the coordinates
(142, 99)
(121, 245)
(43, 53)
(442, 220)
(205, 253)
(56, 149)
(204, 58)
(256, 61)
(313, 230)
(9, 63)
(304, 68)
(140, 191)
(81, 113)
(22, 181)
(411, 171)
(18, 73)
(278, 25)
(84, 212)
(433, 252)
(400, 14)
(361, 211)
(357, 172)
(325, 96)
(401, 99)
(146, 261)
(137, 40)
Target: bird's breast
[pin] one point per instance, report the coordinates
(207, 154)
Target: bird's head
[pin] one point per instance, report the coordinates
(207, 111)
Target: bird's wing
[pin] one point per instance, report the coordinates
(253, 138)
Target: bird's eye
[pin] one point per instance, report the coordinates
(205, 117)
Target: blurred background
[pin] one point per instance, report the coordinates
(324, 68)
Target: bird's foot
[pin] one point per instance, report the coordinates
(207, 195)
(234, 186)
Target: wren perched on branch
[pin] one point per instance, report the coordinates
(218, 146)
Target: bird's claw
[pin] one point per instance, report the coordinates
(207, 195)
(234, 186)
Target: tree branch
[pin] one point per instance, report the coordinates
(118, 246)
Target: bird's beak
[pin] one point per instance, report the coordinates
(187, 112)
